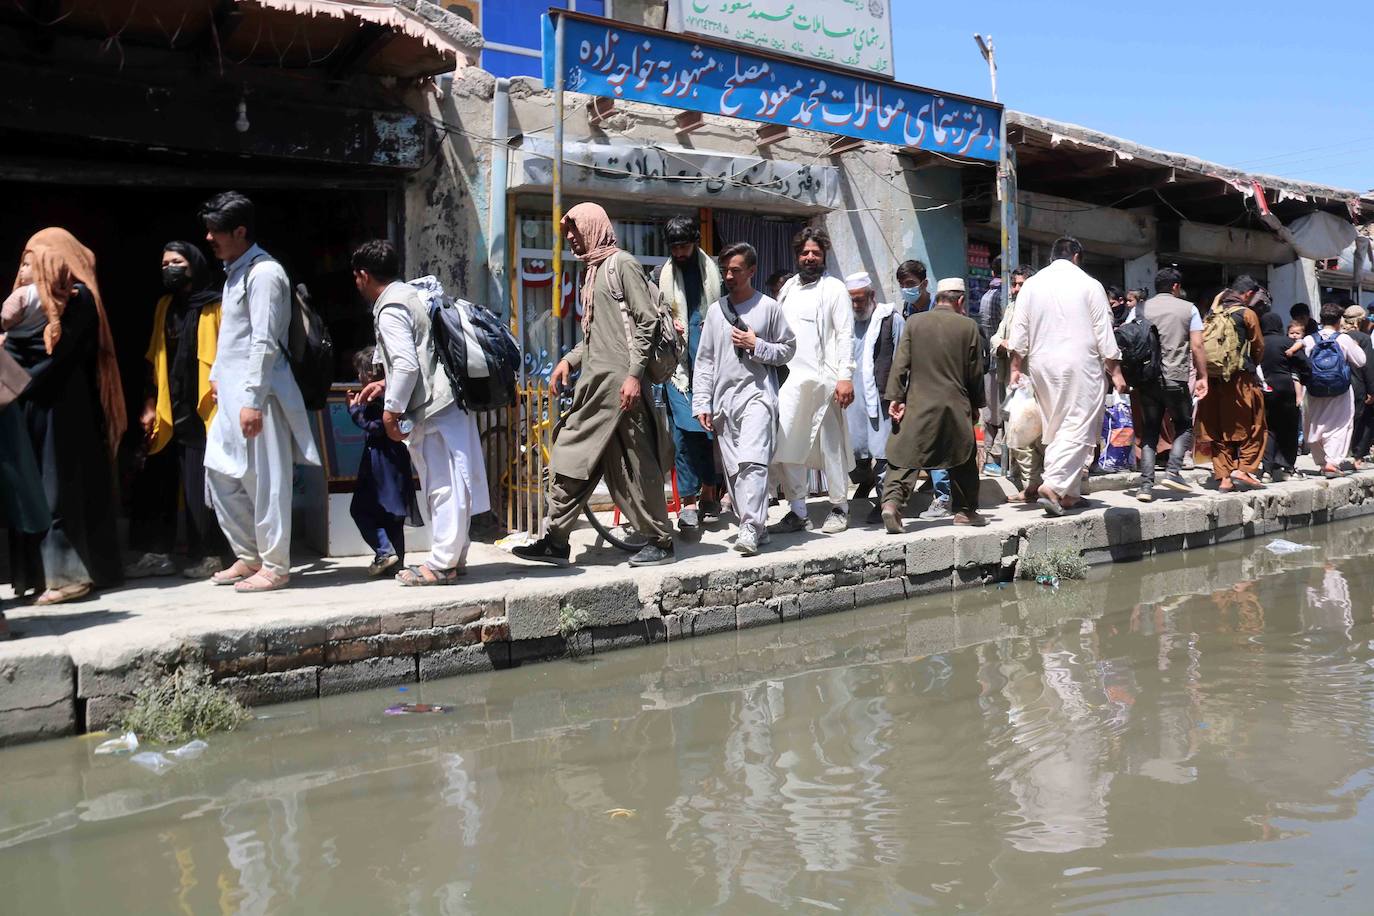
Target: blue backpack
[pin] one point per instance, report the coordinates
(1329, 373)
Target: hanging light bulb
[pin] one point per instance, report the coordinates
(241, 122)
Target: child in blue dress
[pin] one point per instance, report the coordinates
(384, 498)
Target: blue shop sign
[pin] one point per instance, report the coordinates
(606, 58)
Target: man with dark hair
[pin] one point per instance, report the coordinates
(1230, 419)
(818, 386)
(1301, 311)
(1180, 345)
(913, 283)
(418, 408)
(691, 282)
(261, 428)
(613, 430)
(773, 285)
(877, 329)
(1063, 328)
(936, 390)
(1116, 299)
(744, 339)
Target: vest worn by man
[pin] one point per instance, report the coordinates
(433, 391)
(1172, 318)
(883, 351)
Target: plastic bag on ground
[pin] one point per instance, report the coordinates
(1278, 547)
(125, 744)
(1024, 422)
(189, 751)
(153, 761)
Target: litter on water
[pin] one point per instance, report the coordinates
(621, 812)
(1281, 547)
(407, 709)
(153, 761)
(1051, 581)
(126, 743)
(190, 750)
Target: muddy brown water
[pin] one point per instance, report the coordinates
(1190, 734)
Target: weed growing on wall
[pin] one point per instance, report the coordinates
(1062, 563)
(183, 705)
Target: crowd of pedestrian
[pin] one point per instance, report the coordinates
(772, 391)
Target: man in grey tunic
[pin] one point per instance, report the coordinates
(735, 395)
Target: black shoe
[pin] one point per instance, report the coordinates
(1278, 475)
(789, 523)
(654, 555)
(875, 514)
(545, 550)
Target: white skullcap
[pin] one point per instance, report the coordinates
(858, 280)
(951, 284)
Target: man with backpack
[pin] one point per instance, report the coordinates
(1231, 417)
(419, 408)
(261, 428)
(1159, 341)
(1329, 418)
(614, 430)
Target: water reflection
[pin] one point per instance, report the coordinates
(1197, 725)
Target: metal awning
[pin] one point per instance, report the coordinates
(400, 38)
(1079, 163)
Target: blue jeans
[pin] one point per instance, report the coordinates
(383, 532)
(939, 479)
(695, 461)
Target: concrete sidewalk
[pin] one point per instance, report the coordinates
(334, 630)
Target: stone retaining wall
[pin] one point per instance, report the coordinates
(48, 694)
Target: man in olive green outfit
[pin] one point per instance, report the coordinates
(936, 389)
(613, 431)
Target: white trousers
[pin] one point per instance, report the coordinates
(793, 478)
(439, 450)
(254, 510)
(1064, 464)
(749, 494)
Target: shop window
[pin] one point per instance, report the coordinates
(535, 289)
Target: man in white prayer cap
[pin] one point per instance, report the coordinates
(877, 328)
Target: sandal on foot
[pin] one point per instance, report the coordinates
(262, 581)
(235, 574)
(424, 575)
(65, 593)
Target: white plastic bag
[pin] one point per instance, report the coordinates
(124, 744)
(1024, 422)
(152, 761)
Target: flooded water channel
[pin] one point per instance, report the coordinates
(1182, 735)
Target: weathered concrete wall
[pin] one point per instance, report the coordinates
(521, 622)
(875, 226)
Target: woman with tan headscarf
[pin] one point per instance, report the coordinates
(73, 410)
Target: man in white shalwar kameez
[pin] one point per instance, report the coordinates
(812, 433)
(443, 440)
(743, 338)
(1063, 329)
(261, 429)
(877, 330)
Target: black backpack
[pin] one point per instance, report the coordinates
(499, 353)
(310, 351)
(1142, 361)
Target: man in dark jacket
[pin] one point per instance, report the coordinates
(936, 394)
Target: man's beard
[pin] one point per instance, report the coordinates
(810, 273)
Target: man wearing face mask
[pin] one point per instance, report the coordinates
(911, 279)
(178, 408)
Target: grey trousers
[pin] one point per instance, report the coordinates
(254, 510)
(634, 477)
(749, 493)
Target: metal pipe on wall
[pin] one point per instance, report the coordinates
(555, 327)
(497, 266)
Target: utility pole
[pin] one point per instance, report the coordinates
(1006, 197)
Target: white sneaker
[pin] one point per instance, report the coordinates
(747, 541)
(836, 521)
